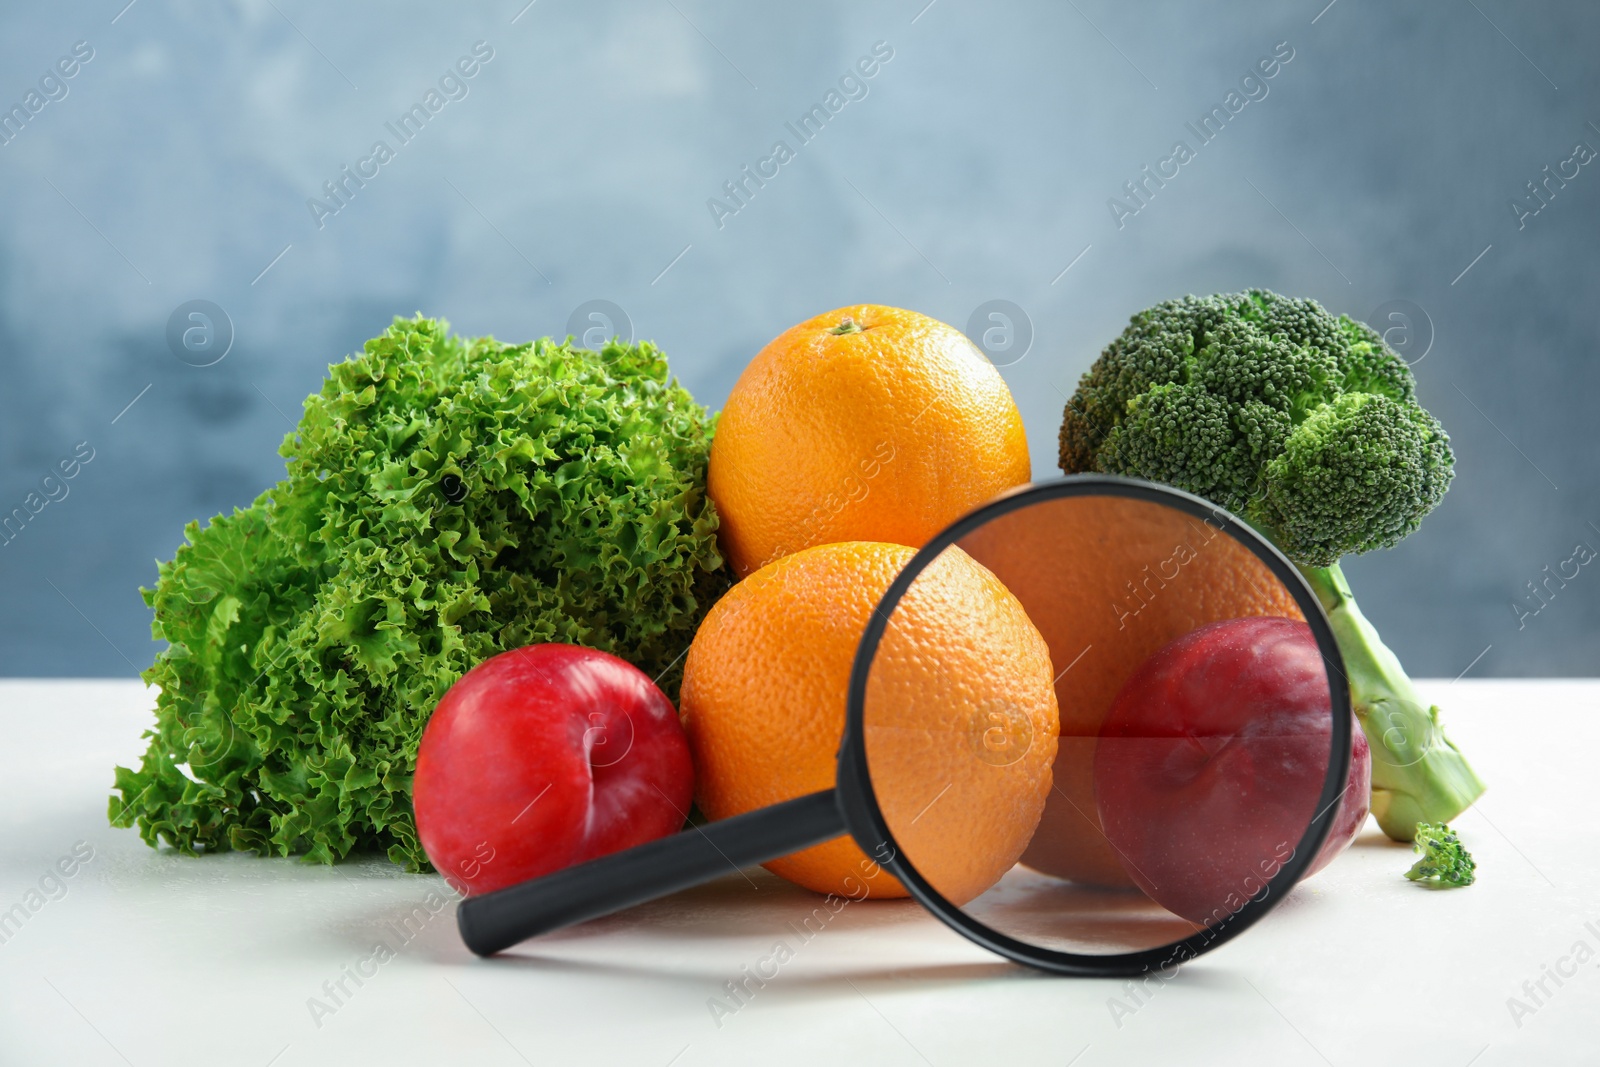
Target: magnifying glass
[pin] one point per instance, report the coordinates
(1153, 757)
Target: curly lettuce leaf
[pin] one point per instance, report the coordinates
(445, 500)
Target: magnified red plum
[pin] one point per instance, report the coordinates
(1211, 765)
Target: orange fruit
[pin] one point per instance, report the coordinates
(867, 423)
(1108, 581)
(960, 665)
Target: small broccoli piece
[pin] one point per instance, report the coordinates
(1307, 426)
(1445, 862)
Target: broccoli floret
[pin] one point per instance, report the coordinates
(1358, 473)
(1445, 862)
(1307, 426)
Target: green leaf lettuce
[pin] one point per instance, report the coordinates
(311, 634)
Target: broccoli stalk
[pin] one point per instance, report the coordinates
(1307, 426)
(1416, 769)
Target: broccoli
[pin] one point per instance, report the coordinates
(1445, 863)
(1307, 426)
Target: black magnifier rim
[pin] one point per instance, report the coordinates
(859, 802)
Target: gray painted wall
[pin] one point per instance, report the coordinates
(1380, 166)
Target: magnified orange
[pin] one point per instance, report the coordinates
(1088, 570)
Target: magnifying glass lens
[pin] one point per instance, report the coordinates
(1098, 724)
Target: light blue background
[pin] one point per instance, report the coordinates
(979, 165)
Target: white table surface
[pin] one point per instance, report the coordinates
(155, 958)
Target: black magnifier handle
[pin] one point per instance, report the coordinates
(498, 920)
